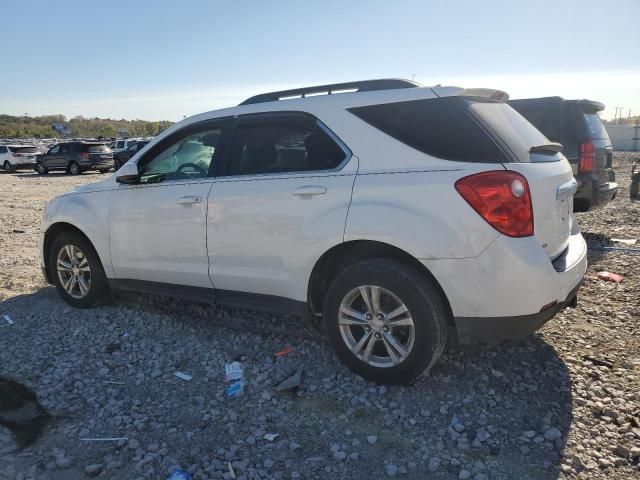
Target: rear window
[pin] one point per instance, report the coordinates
(595, 128)
(96, 148)
(517, 133)
(24, 149)
(441, 127)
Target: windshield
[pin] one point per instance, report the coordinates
(24, 149)
(595, 128)
(513, 129)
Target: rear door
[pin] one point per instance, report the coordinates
(547, 171)
(52, 157)
(280, 202)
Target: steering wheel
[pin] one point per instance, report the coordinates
(198, 168)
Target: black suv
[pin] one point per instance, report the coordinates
(75, 158)
(120, 158)
(576, 125)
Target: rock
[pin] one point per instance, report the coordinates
(634, 452)
(464, 474)
(552, 434)
(391, 470)
(340, 455)
(63, 462)
(93, 469)
(434, 464)
(268, 463)
(371, 439)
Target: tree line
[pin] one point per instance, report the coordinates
(42, 127)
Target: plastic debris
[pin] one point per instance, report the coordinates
(234, 374)
(183, 376)
(286, 351)
(112, 382)
(7, 318)
(231, 470)
(270, 436)
(292, 381)
(626, 241)
(18, 231)
(597, 361)
(105, 439)
(179, 475)
(112, 348)
(610, 277)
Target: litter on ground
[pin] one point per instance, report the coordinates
(626, 241)
(7, 318)
(271, 436)
(183, 376)
(610, 277)
(292, 381)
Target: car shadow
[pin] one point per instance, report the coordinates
(504, 408)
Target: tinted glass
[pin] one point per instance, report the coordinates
(189, 157)
(97, 148)
(120, 145)
(514, 130)
(55, 149)
(595, 128)
(282, 146)
(439, 127)
(546, 118)
(3, 149)
(65, 148)
(23, 149)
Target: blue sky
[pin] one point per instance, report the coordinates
(164, 59)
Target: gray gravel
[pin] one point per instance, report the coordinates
(538, 408)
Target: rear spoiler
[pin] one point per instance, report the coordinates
(591, 105)
(485, 92)
(550, 148)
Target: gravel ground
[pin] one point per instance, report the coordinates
(538, 408)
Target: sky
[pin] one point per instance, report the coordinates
(166, 59)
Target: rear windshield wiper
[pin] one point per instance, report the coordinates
(550, 148)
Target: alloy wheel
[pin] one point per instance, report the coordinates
(376, 326)
(74, 272)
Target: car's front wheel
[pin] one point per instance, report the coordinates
(77, 271)
(386, 321)
(8, 167)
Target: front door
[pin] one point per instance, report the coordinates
(158, 226)
(280, 202)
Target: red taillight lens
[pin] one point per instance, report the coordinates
(587, 157)
(502, 198)
(85, 154)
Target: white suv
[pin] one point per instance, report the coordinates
(14, 157)
(395, 215)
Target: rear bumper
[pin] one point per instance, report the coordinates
(511, 289)
(591, 192)
(495, 329)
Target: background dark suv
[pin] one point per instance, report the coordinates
(120, 158)
(75, 158)
(576, 125)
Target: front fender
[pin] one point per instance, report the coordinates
(89, 213)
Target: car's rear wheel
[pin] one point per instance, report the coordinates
(386, 321)
(103, 170)
(8, 167)
(41, 169)
(77, 271)
(74, 168)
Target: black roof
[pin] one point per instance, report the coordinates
(361, 86)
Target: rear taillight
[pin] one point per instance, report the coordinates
(85, 154)
(502, 198)
(587, 157)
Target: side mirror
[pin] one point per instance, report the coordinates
(128, 173)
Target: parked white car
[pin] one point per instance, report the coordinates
(14, 157)
(395, 215)
(121, 145)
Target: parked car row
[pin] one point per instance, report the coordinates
(395, 216)
(74, 156)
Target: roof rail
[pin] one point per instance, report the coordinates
(362, 86)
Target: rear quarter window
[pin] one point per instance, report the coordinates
(594, 126)
(96, 148)
(440, 127)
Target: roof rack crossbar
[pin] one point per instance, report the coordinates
(362, 86)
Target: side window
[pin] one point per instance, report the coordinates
(188, 157)
(54, 149)
(3, 149)
(65, 148)
(120, 145)
(280, 146)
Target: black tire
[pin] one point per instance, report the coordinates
(74, 168)
(634, 190)
(116, 165)
(103, 170)
(99, 292)
(41, 168)
(8, 167)
(420, 296)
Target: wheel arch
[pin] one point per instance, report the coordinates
(50, 235)
(347, 253)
